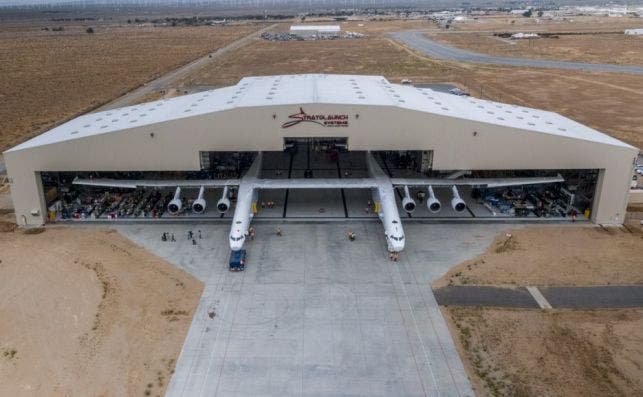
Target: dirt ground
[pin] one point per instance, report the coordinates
(86, 312)
(370, 56)
(511, 352)
(48, 77)
(373, 55)
(597, 48)
(555, 255)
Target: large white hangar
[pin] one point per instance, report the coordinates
(333, 145)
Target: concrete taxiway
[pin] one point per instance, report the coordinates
(419, 42)
(317, 315)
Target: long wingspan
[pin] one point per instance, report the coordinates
(320, 183)
(135, 183)
(481, 182)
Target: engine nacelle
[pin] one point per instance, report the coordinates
(223, 205)
(407, 202)
(432, 203)
(176, 204)
(199, 205)
(457, 203)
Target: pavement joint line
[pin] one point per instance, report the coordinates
(418, 333)
(409, 269)
(538, 297)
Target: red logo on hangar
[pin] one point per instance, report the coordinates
(325, 120)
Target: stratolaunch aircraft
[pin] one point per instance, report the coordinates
(382, 187)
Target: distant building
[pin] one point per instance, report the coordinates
(634, 32)
(316, 31)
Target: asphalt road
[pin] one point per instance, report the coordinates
(419, 42)
(595, 297)
(458, 295)
(166, 80)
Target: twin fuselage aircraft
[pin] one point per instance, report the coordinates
(380, 184)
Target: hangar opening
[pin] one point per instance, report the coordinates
(318, 159)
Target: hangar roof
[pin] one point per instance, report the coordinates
(319, 88)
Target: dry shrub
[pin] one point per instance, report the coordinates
(507, 244)
(7, 227)
(34, 230)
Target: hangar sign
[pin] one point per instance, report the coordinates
(325, 120)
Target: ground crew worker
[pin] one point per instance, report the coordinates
(251, 233)
(420, 195)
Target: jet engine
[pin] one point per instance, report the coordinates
(457, 203)
(224, 203)
(198, 206)
(407, 202)
(176, 204)
(432, 203)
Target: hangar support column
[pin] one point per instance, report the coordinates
(27, 195)
(610, 200)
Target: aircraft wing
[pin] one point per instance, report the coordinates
(480, 182)
(135, 183)
(320, 183)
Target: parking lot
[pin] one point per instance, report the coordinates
(316, 314)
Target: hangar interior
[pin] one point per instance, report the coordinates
(317, 158)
